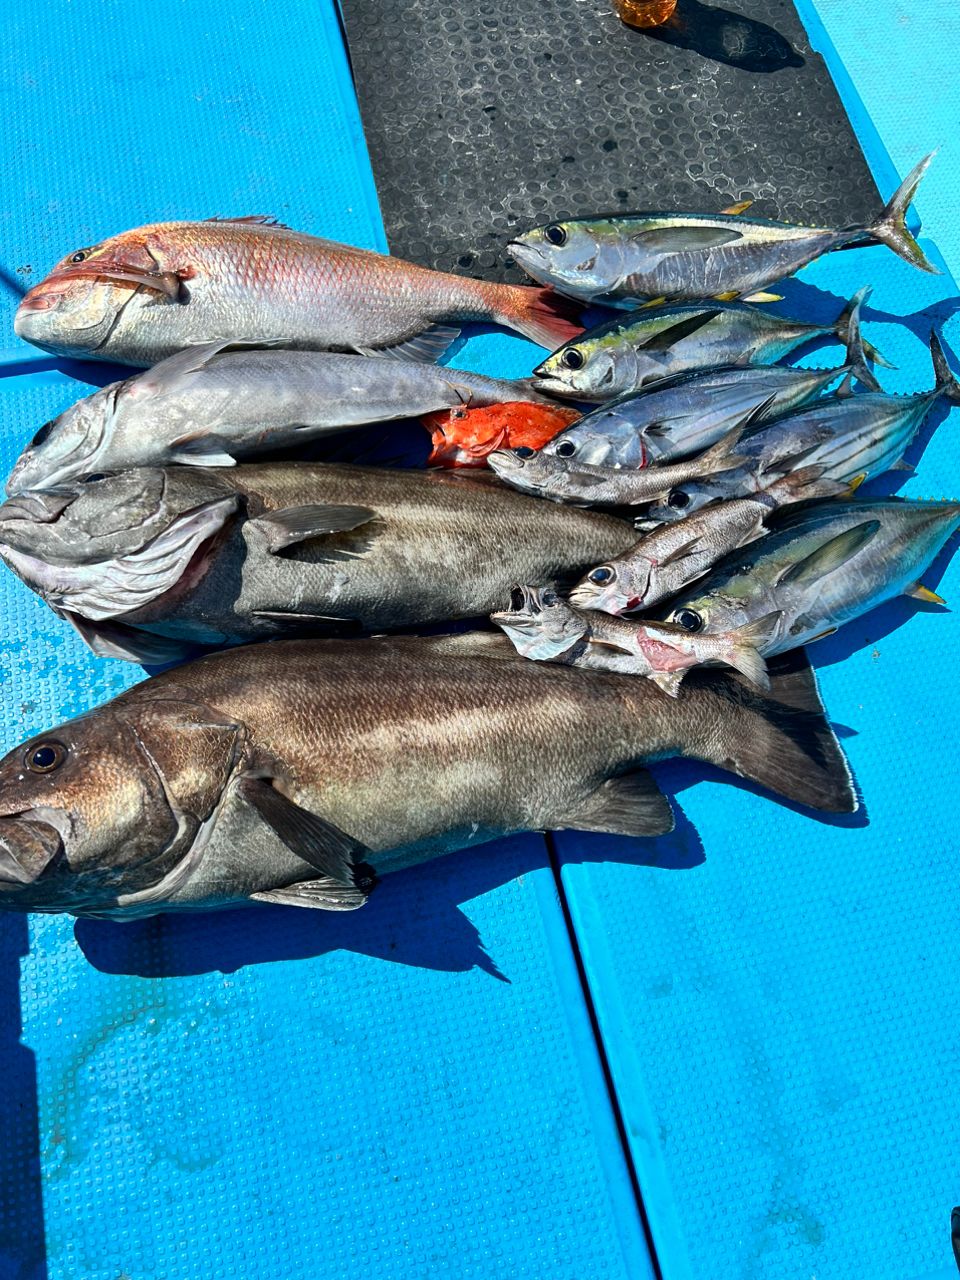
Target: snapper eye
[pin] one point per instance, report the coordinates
(45, 757)
(555, 234)
(678, 499)
(689, 619)
(572, 358)
(602, 574)
(42, 435)
(79, 256)
(565, 449)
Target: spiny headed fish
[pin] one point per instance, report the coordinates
(201, 556)
(673, 555)
(145, 294)
(210, 405)
(620, 259)
(463, 436)
(850, 437)
(825, 566)
(684, 414)
(561, 478)
(294, 773)
(630, 352)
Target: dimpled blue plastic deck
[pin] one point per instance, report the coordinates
(405, 1092)
(778, 995)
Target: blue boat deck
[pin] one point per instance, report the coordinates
(751, 1022)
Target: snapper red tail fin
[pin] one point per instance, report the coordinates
(542, 315)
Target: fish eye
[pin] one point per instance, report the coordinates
(572, 358)
(549, 598)
(94, 477)
(565, 449)
(689, 619)
(603, 574)
(42, 435)
(678, 499)
(555, 234)
(45, 757)
(79, 256)
(524, 451)
(516, 599)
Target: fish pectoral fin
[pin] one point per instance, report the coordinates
(740, 207)
(683, 552)
(320, 895)
(311, 620)
(663, 339)
(919, 592)
(685, 239)
(425, 348)
(336, 855)
(831, 555)
(117, 640)
(290, 525)
(668, 681)
(629, 805)
(200, 449)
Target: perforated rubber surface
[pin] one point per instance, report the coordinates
(485, 118)
(412, 1091)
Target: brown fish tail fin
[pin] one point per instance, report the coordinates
(891, 228)
(779, 739)
(545, 317)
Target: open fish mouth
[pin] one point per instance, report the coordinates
(27, 848)
(524, 612)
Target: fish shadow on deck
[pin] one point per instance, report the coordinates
(724, 36)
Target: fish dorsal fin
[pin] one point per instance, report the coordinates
(831, 555)
(668, 681)
(190, 360)
(336, 855)
(740, 207)
(666, 338)
(290, 525)
(425, 348)
(685, 239)
(630, 805)
(252, 219)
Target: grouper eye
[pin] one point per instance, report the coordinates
(45, 757)
(555, 234)
(572, 358)
(549, 598)
(689, 619)
(678, 499)
(565, 449)
(603, 574)
(42, 435)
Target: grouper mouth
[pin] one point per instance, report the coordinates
(28, 845)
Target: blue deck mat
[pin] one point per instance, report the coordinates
(412, 1091)
(777, 996)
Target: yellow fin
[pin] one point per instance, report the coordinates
(821, 635)
(730, 296)
(764, 297)
(919, 592)
(741, 207)
(857, 481)
(653, 302)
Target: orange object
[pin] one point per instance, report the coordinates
(644, 13)
(463, 437)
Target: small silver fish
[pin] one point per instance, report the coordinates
(212, 404)
(824, 567)
(622, 259)
(670, 651)
(545, 628)
(672, 556)
(660, 343)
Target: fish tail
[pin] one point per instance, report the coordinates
(947, 383)
(847, 330)
(803, 485)
(743, 656)
(542, 315)
(891, 228)
(779, 739)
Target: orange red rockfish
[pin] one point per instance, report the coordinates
(462, 437)
(140, 296)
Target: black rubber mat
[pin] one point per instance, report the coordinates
(489, 116)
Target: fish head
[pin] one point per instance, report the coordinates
(596, 366)
(602, 439)
(67, 446)
(105, 805)
(616, 587)
(545, 474)
(105, 545)
(71, 316)
(577, 257)
(684, 499)
(539, 624)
